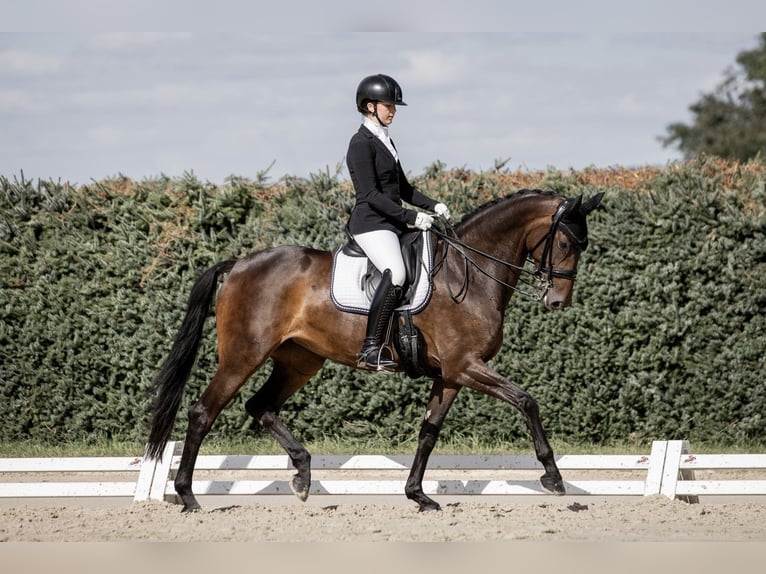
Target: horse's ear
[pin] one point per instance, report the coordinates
(591, 203)
(573, 204)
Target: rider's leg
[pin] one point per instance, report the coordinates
(382, 248)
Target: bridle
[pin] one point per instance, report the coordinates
(546, 268)
(540, 279)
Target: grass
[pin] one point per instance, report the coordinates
(376, 445)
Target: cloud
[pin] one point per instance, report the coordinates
(18, 101)
(119, 41)
(78, 106)
(162, 95)
(432, 68)
(26, 63)
(107, 135)
(629, 105)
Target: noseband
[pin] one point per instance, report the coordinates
(542, 275)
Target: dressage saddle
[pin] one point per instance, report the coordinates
(411, 244)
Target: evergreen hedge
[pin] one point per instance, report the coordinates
(665, 338)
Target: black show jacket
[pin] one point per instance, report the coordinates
(380, 186)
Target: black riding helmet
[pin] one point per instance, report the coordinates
(378, 88)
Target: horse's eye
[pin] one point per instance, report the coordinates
(563, 245)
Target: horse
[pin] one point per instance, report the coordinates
(275, 304)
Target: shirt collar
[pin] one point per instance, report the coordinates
(381, 132)
(376, 129)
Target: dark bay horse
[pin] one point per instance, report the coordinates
(276, 304)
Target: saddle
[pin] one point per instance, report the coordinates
(351, 266)
(411, 244)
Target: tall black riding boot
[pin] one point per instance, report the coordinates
(385, 300)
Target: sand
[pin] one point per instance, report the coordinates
(546, 519)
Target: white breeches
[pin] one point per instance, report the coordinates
(382, 248)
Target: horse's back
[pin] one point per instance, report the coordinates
(275, 280)
(281, 264)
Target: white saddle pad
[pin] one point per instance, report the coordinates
(348, 294)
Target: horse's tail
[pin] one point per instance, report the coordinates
(175, 371)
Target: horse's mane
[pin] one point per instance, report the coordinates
(479, 211)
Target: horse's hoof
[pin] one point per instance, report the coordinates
(429, 506)
(553, 485)
(299, 488)
(191, 507)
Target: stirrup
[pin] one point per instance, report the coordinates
(373, 358)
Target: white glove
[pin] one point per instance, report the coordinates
(423, 221)
(443, 210)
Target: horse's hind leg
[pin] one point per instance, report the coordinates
(202, 415)
(293, 367)
(439, 404)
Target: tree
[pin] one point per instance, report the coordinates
(730, 122)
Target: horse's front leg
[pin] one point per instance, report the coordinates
(480, 377)
(439, 404)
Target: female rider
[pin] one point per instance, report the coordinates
(378, 217)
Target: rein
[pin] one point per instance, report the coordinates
(542, 274)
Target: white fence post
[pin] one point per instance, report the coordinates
(671, 468)
(685, 474)
(656, 467)
(154, 475)
(673, 472)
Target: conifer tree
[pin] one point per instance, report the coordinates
(730, 122)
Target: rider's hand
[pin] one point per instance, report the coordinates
(423, 221)
(442, 210)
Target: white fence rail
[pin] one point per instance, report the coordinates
(668, 470)
(71, 466)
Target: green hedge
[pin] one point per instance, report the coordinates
(665, 338)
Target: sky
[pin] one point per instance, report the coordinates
(82, 105)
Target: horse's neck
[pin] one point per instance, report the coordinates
(501, 230)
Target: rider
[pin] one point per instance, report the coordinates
(378, 217)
